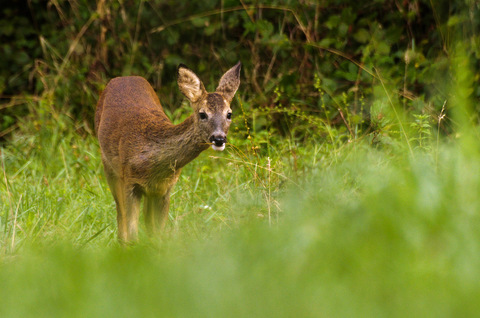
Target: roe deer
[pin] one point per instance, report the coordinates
(143, 152)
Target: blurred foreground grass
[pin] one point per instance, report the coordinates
(365, 232)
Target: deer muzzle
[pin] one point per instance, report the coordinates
(218, 142)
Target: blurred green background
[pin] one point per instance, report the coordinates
(349, 188)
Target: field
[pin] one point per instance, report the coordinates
(355, 231)
(349, 186)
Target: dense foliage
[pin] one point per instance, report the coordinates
(327, 63)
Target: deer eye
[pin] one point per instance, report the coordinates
(203, 115)
(229, 115)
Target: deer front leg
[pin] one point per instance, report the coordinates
(155, 208)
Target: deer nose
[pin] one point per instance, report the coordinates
(218, 140)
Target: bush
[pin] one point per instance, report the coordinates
(307, 64)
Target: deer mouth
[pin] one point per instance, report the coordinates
(218, 147)
(218, 142)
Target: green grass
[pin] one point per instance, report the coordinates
(352, 231)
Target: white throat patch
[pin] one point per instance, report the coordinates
(217, 148)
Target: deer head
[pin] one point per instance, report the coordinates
(212, 112)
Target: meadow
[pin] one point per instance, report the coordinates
(349, 186)
(356, 231)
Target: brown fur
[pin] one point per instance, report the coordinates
(143, 152)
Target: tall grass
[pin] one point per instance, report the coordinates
(373, 233)
(382, 225)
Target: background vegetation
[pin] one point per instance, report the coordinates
(349, 188)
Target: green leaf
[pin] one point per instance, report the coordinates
(362, 36)
(333, 22)
(383, 48)
(455, 19)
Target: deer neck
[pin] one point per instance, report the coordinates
(180, 144)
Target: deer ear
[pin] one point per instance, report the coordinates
(189, 83)
(230, 82)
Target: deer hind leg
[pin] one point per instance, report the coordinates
(128, 206)
(117, 189)
(132, 211)
(119, 196)
(125, 202)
